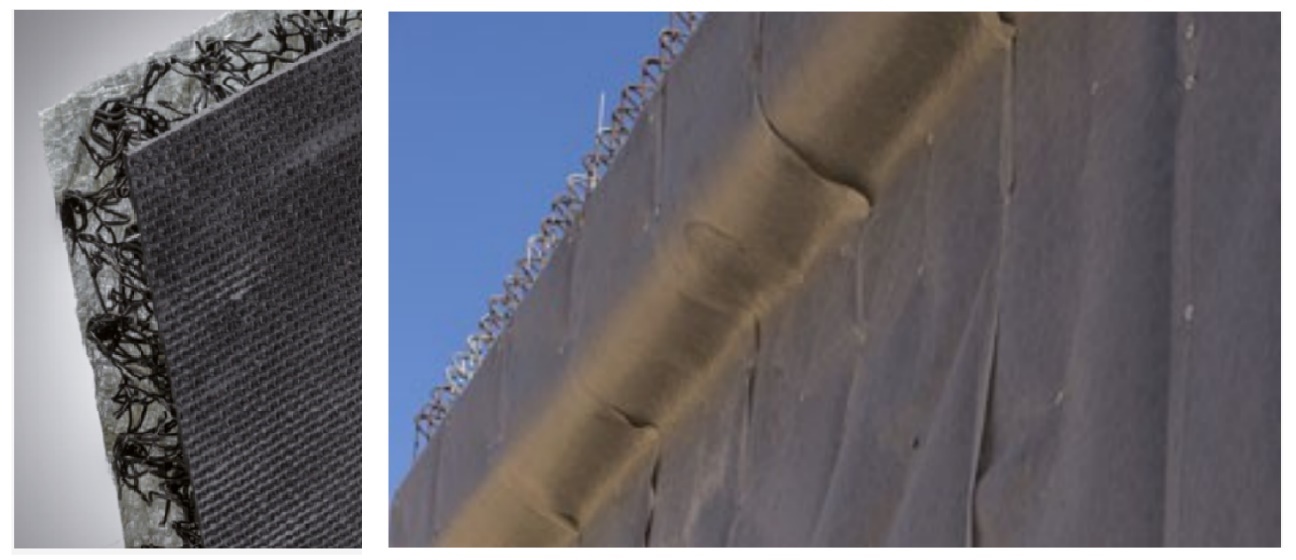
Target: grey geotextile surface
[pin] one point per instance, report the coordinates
(250, 222)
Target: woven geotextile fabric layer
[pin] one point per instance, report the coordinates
(250, 231)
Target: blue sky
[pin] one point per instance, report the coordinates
(489, 113)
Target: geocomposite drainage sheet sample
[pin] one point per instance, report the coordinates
(222, 254)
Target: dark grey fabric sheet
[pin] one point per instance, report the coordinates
(250, 223)
(1058, 324)
(1223, 457)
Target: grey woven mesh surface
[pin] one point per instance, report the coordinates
(250, 224)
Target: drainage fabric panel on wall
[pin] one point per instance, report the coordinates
(1057, 326)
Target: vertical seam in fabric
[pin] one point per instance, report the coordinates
(1180, 293)
(1008, 180)
(744, 449)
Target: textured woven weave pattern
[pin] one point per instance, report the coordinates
(250, 224)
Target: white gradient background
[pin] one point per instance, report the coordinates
(64, 495)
